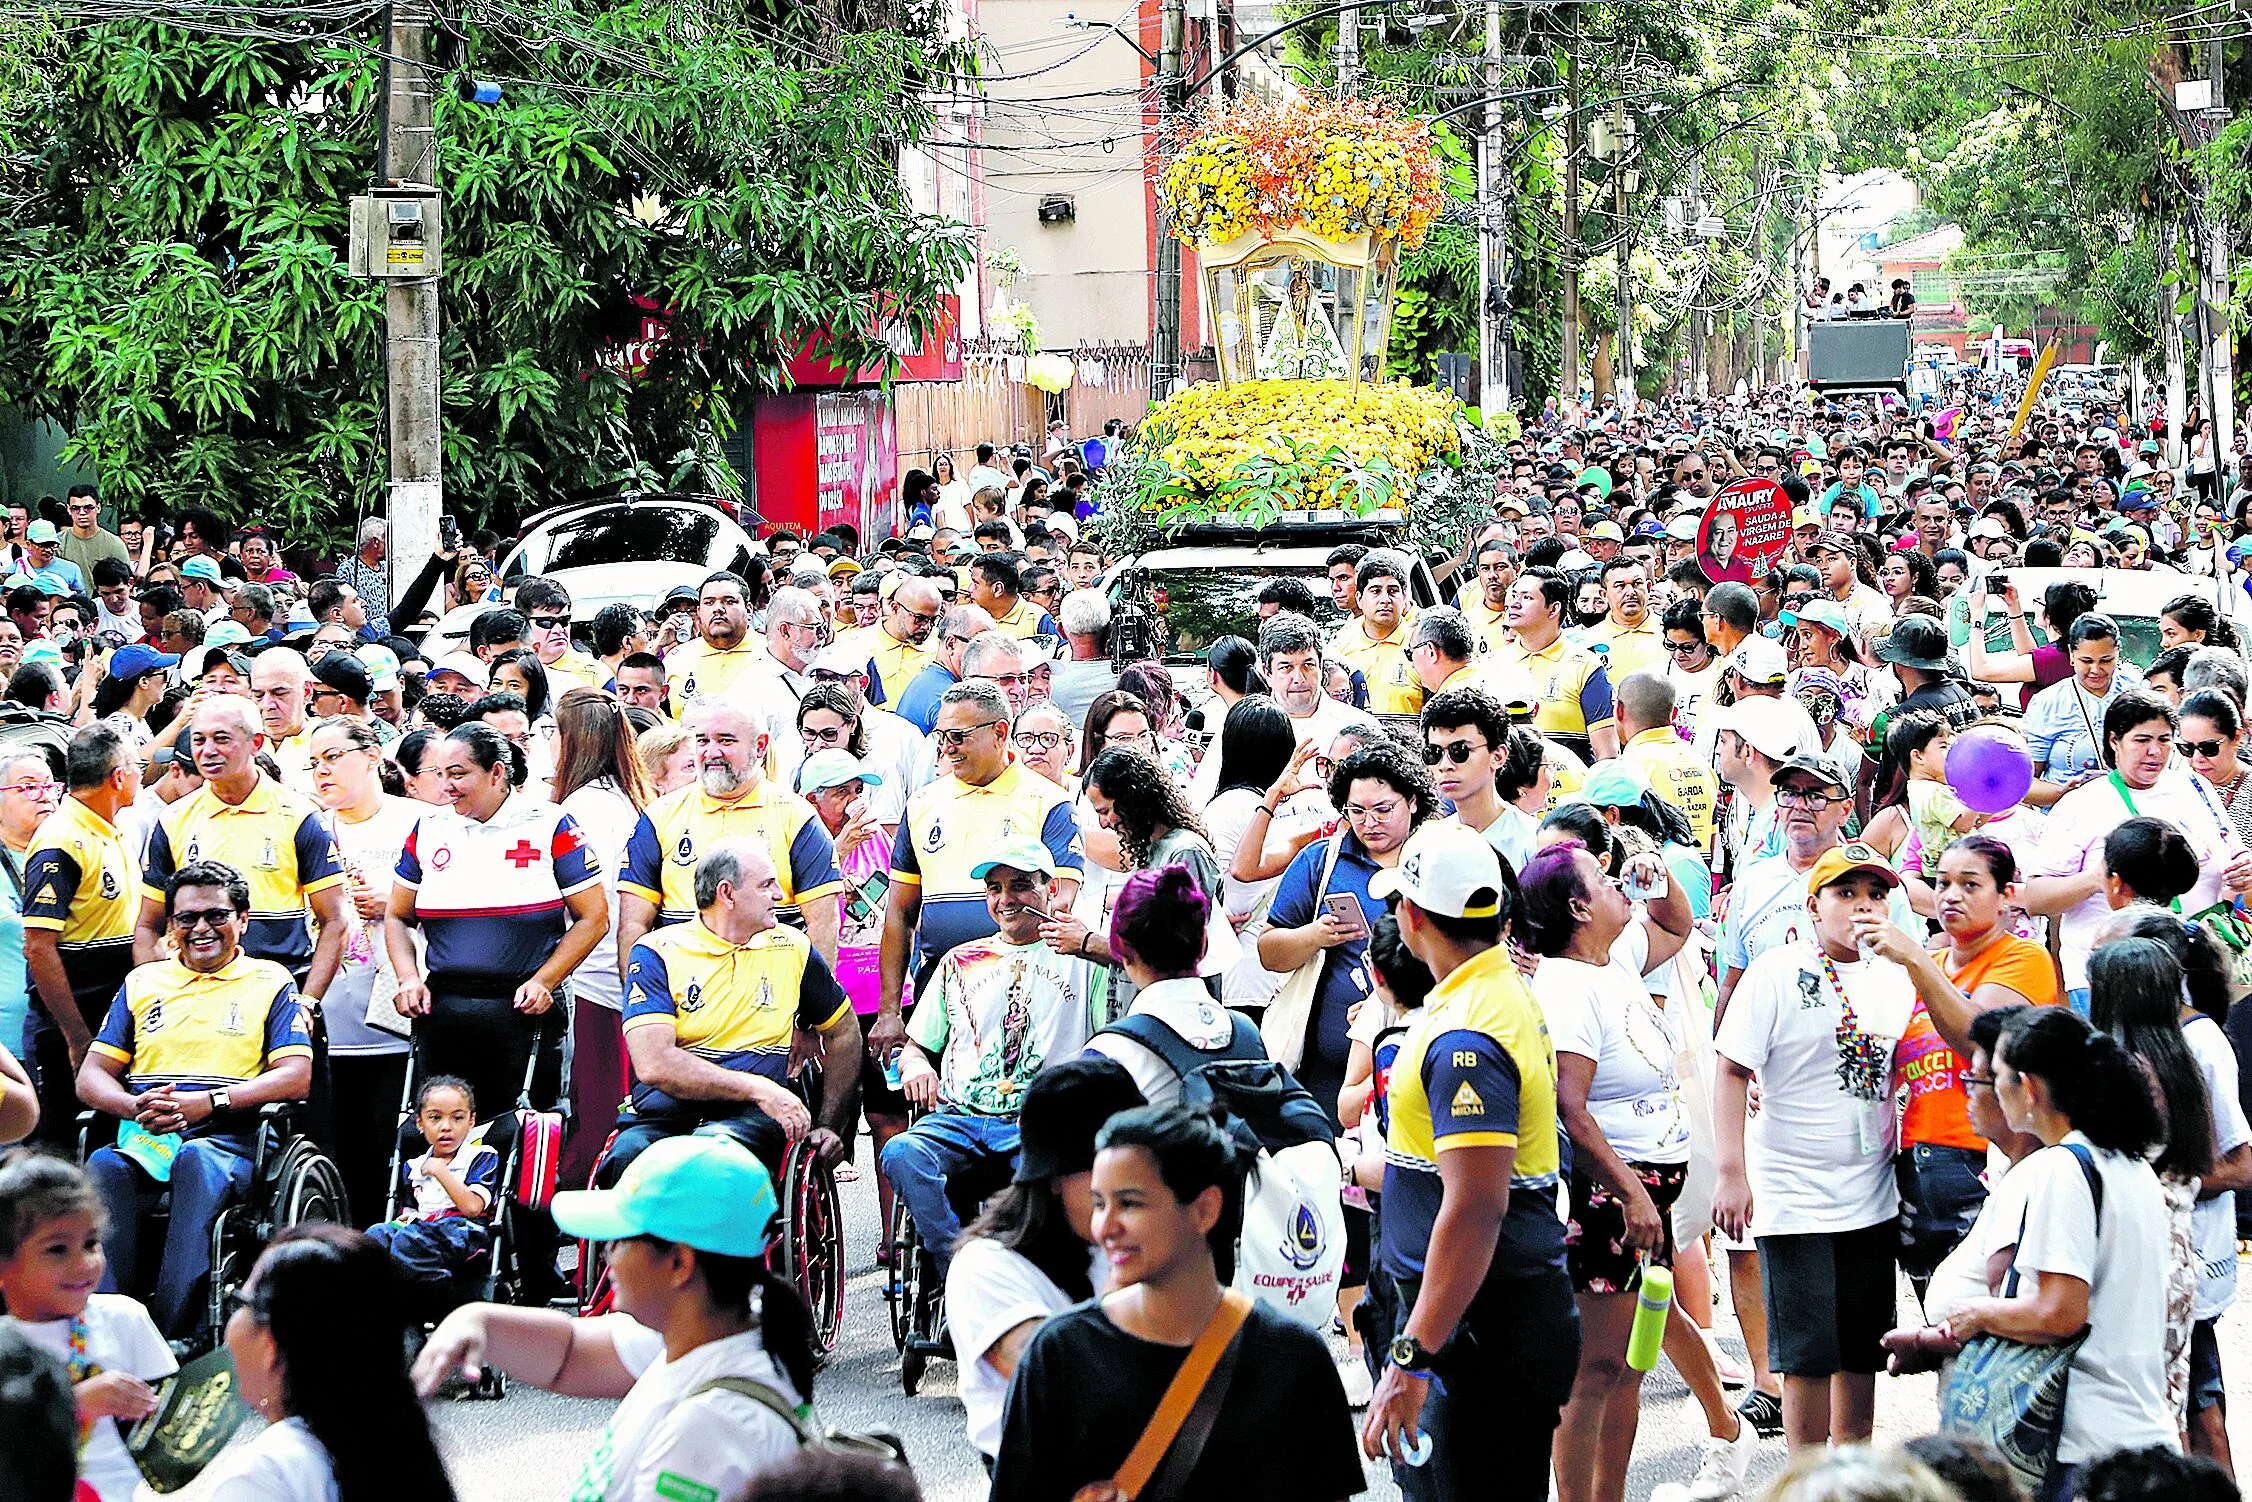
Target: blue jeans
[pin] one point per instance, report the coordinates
(208, 1173)
(940, 1146)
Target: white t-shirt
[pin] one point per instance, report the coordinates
(2213, 1220)
(120, 1337)
(607, 818)
(283, 1464)
(1329, 717)
(372, 848)
(1768, 907)
(991, 1290)
(2072, 841)
(1228, 820)
(2117, 1397)
(1961, 1274)
(1604, 1013)
(1824, 1160)
(663, 1443)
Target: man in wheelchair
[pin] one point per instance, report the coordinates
(994, 1011)
(192, 1047)
(711, 1012)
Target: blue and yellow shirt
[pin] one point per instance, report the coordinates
(80, 883)
(1629, 649)
(698, 670)
(1573, 686)
(278, 839)
(1393, 687)
(678, 828)
(170, 1025)
(951, 826)
(734, 1005)
(1475, 1070)
(892, 663)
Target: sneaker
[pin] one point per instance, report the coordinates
(1764, 1412)
(1353, 1373)
(1720, 1470)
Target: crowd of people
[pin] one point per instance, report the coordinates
(1606, 899)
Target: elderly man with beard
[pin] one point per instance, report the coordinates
(732, 799)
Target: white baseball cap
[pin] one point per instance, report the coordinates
(1445, 868)
(1758, 660)
(1767, 726)
(466, 664)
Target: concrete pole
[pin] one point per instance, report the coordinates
(2220, 353)
(1568, 367)
(1493, 233)
(410, 305)
(1622, 364)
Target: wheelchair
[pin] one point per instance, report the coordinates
(292, 1182)
(527, 1144)
(807, 1250)
(914, 1287)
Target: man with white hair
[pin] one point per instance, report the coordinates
(364, 569)
(999, 659)
(1087, 673)
(278, 682)
(768, 688)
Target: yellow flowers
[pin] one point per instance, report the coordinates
(1335, 169)
(1235, 440)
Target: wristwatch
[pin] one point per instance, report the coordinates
(221, 1101)
(1409, 1355)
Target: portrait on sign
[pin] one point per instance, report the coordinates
(1744, 530)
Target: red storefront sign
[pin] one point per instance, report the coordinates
(826, 457)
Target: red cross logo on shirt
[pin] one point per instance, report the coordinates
(523, 855)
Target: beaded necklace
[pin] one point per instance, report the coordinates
(1864, 1060)
(82, 1367)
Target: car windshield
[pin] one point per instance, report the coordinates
(2138, 635)
(645, 534)
(1201, 605)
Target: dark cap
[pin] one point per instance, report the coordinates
(345, 673)
(1917, 641)
(1063, 1108)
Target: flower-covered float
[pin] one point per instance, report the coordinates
(1299, 213)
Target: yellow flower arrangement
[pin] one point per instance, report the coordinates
(1308, 438)
(1335, 169)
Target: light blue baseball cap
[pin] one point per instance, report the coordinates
(200, 567)
(707, 1193)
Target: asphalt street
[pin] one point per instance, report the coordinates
(529, 1446)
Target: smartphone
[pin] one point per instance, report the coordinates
(1346, 909)
(449, 533)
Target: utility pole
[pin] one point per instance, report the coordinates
(1165, 339)
(1493, 235)
(1348, 54)
(1622, 365)
(2219, 355)
(410, 304)
(2177, 373)
(1568, 372)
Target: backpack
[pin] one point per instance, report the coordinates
(879, 1443)
(1290, 1251)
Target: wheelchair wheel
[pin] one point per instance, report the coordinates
(900, 1276)
(307, 1187)
(811, 1244)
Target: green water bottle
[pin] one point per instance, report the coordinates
(1651, 1301)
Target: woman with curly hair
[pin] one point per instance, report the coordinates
(1155, 826)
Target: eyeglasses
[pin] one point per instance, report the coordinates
(1978, 1081)
(551, 622)
(1805, 798)
(955, 641)
(1457, 752)
(331, 760)
(39, 791)
(953, 740)
(833, 736)
(1685, 648)
(215, 917)
(917, 616)
(2202, 748)
(1372, 813)
(1042, 741)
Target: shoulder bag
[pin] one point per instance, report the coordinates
(879, 1444)
(1288, 1015)
(1157, 1469)
(2009, 1393)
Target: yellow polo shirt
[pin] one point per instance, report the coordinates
(1024, 619)
(734, 1005)
(1393, 687)
(1570, 682)
(277, 838)
(695, 669)
(662, 851)
(574, 669)
(170, 1025)
(1486, 625)
(892, 663)
(1633, 649)
(79, 884)
(1670, 765)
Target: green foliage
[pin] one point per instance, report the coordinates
(174, 231)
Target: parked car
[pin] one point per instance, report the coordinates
(2134, 598)
(634, 548)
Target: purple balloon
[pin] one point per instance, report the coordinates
(1989, 769)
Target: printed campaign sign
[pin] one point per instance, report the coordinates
(1745, 529)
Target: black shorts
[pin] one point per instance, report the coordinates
(1829, 1297)
(877, 1097)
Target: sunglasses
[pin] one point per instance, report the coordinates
(2202, 748)
(953, 740)
(551, 622)
(1684, 648)
(216, 917)
(1457, 752)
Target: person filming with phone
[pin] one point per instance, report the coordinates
(993, 1012)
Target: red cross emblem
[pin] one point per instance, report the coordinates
(523, 855)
